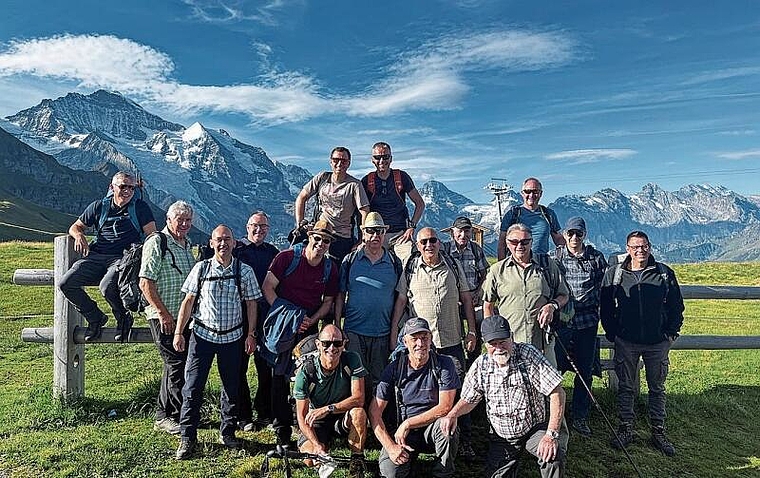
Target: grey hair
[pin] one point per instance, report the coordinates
(258, 213)
(123, 175)
(519, 227)
(178, 208)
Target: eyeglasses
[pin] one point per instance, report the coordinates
(381, 157)
(643, 247)
(520, 242)
(258, 226)
(318, 238)
(531, 191)
(340, 160)
(131, 187)
(374, 230)
(335, 343)
(573, 232)
(432, 240)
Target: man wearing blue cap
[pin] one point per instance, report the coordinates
(515, 379)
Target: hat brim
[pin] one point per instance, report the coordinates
(496, 336)
(321, 232)
(372, 226)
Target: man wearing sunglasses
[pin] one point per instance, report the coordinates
(120, 220)
(387, 190)
(306, 289)
(368, 278)
(329, 393)
(526, 289)
(339, 197)
(541, 220)
(583, 267)
(641, 309)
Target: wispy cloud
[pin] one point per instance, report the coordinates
(740, 155)
(431, 77)
(723, 74)
(233, 11)
(583, 156)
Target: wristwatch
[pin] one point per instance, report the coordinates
(554, 304)
(553, 434)
(331, 408)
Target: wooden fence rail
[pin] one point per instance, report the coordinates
(67, 333)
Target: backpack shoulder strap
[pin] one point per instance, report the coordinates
(349, 260)
(446, 247)
(617, 277)
(310, 371)
(543, 265)
(451, 264)
(663, 272)
(326, 269)
(297, 251)
(371, 187)
(435, 367)
(398, 182)
(105, 206)
(201, 277)
(132, 211)
(163, 243)
(398, 267)
(238, 281)
(545, 213)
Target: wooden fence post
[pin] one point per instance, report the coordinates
(68, 357)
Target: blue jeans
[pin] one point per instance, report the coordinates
(95, 269)
(200, 355)
(582, 346)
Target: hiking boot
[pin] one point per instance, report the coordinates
(185, 449)
(231, 442)
(581, 426)
(660, 441)
(261, 423)
(168, 425)
(626, 435)
(357, 467)
(95, 329)
(466, 452)
(123, 327)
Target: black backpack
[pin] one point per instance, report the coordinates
(129, 273)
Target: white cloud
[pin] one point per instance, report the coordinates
(431, 77)
(232, 11)
(582, 156)
(723, 74)
(739, 155)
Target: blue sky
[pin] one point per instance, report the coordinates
(582, 94)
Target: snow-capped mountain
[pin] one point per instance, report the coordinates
(223, 178)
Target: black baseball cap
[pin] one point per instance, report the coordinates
(495, 327)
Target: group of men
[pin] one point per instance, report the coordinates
(402, 347)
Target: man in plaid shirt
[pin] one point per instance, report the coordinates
(515, 379)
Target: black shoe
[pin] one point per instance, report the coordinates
(231, 442)
(356, 467)
(123, 328)
(625, 434)
(95, 329)
(660, 441)
(581, 426)
(185, 450)
(466, 452)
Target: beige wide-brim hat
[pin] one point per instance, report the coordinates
(374, 219)
(323, 228)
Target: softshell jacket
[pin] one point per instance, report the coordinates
(639, 311)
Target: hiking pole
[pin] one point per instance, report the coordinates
(552, 333)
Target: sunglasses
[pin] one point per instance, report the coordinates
(340, 160)
(374, 230)
(335, 343)
(258, 226)
(531, 191)
(131, 187)
(573, 232)
(431, 240)
(381, 157)
(318, 238)
(521, 242)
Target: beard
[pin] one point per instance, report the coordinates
(501, 359)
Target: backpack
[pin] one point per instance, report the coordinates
(446, 247)
(129, 273)
(565, 314)
(306, 354)
(662, 271)
(393, 421)
(412, 264)
(297, 253)
(202, 278)
(105, 207)
(372, 188)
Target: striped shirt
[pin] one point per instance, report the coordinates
(219, 304)
(168, 279)
(513, 405)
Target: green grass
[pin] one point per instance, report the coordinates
(713, 399)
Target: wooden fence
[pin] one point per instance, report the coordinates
(67, 333)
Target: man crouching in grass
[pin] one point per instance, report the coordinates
(329, 393)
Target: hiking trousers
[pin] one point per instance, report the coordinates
(94, 269)
(426, 440)
(504, 453)
(173, 375)
(656, 364)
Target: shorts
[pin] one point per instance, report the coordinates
(333, 425)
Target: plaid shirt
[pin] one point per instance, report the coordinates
(513, 406)
(584, 275)
(168, 280)
(219, 304)
(474, 265)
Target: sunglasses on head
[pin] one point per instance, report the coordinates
(335, 343)
(374, 230)
(318, 238)
(431, 240)
(531, 191)
(381, 157)
(521, 242)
